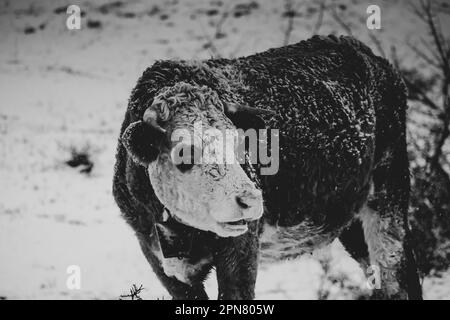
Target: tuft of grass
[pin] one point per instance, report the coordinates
(94, 24)
(134, 293)
(81, 158)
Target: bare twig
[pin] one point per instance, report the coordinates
(290, 14)
(423, 97)
(319, 21)
(211, 46)
(429, 47)
(394, 58)
(425, 12)
(377, 44)
(210, 41)
(423, 55)
(441, 56)
(341, 22)
(134, 293)
(219, 33)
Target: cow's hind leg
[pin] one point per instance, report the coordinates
(385, 217)
(391, 259)
(380, 239)
(379, 244)
(385, 224)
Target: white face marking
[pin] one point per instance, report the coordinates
(213, 195)
(206, 196)
(209, 195)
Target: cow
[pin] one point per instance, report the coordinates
(343, 168)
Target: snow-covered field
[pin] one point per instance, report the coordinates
(64, 89)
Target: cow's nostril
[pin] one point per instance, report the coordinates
(242, 203)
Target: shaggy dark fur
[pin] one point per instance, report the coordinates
(341, 115)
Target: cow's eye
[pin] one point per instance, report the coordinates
(183, 167)
(185, 162)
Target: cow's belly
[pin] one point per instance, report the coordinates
(284, 243)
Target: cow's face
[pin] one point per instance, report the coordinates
(191, 173)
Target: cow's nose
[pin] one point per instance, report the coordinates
(242, 203)
(248, 200)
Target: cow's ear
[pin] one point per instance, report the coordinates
(245, 121)
(142, 142)
(246, 117)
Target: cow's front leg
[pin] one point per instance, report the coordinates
(236, 261)
(179, 290)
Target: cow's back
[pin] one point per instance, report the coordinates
(320, 90)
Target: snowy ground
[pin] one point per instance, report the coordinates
(64, 89)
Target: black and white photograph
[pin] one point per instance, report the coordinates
(224, 150)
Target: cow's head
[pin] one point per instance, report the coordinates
(212, 195)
